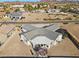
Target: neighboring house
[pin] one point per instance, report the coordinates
(17, 6)
(53, 10)
(14, 15)
(40, 36)
(40, 11)
(14, 7)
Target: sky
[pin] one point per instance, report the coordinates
(29, 0)
(19, 0)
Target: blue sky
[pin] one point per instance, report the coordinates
(29, 0)
(20, 0)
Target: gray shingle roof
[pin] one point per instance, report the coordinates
(52, 27)
(15, 14)
(28, 27)
(40, 32)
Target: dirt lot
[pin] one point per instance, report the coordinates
(34, 17)
(73, 30)
(39, 17)
(64, 48)
(14, 47)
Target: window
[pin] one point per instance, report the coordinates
(41, 44)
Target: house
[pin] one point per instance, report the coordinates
(17, 6)
(54, 10)
(40, 11)
(14, 15)
(40, 36)
(14, 7)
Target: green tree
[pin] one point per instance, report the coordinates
(66, 8)
(30, 8)
(7, 8)
(43, 4)
(17, 10)
(55, 7)
(38, 6)
(25, 7)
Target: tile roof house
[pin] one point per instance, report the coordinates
(42, 36)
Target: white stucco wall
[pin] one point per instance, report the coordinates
(25, 40)
(41, 40)
(24, 30)
(22, 37)
(53, 43)
(28, 43)
(59, 38)
(6, 16)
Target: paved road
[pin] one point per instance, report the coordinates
(56, 21)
